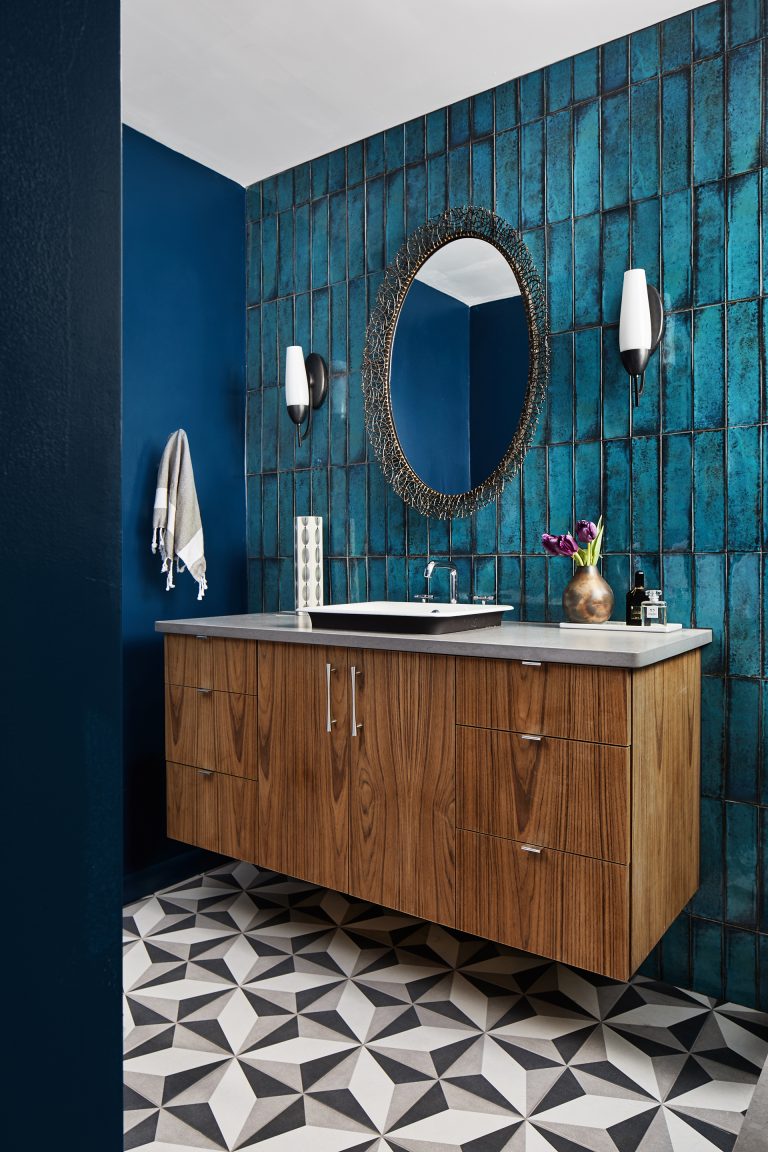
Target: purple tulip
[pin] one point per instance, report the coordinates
(550, 544)
(566, 545)
(586, 531)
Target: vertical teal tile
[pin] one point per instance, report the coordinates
(744, 21)
(377, 578)
(560, 390)
(676, 42)
(741, 864)
(677, 582)
(709, 491)
(675, 952)
(743, 236)
(461, 535)
(586, 74)
(707, 957)
(509, 583)
(646, 239)
(615, 144)
(285, 198)
(253, 521)
(319, 176)
(586, 158)
(534, 605)
(338, 573)
(709, 570)
(644, 53)
(356, 231)
(708, 120)
(270, 414)
(615, 261)
(558, 166)
(712, 736)
(709, 899)
(616, 388)
(436, 132)
(375, 160)
(415, 144)
(374, 221)
(507, 170)
(645, 494)
(269, 196)
(337, 407)
(482, 114)
(337, 512)
(482, 173)
(744, 614)
(617, 498)
(677, 373)
(356, 437)
(356, 323)
(708, 30)
(301, 183)
(587, 474)
(253, 343)
(740, 966)
(415, 197)
(377, 510)
(506, 106)
(437, 184)
(531, 96)
(337, 360)
(586, 258)
(559, 85)
(269, 350)
(286, 513)
(338, 237)
(743, 363)
(358, 580)
(357, 510)
(303, 247)
(676, 250)
(440, 536)
(709, 368)
(484, 577)
(676, 144)
(560, 514)
(395, 524)
(510, 506)
(253, 432)
(534, 498)
(614, 71)
(677, 495)
(417, 532)
(255, 585)
(646, 417)
(254, 264)
(587, 383)
(269, 258)
(394, 147)
(532, 174)
(253, 202)
(763, 923)
(560, 275)
(320, 242)
(743, 759)
(397, 582)
(743, 135)
(709, 244)
(355, 163)
(645, 139)
(485, 528)
(458, 177)
(458, 123)
(395, 226)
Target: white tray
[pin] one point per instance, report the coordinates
(616, 626)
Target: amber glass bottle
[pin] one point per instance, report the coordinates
(635, 598)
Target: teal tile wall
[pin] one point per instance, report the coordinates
(651, 150)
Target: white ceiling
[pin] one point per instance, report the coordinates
(251, 87)
(470, 270)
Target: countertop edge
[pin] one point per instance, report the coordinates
(468, 643)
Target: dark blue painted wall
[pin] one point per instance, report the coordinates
(650, 150)
(498, 342)
(430, 392)
(183, 367)
(60, 676)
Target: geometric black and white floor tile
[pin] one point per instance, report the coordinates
(261, 1012)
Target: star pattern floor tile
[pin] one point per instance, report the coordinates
(262, 1012)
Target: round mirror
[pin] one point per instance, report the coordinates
(456, 362)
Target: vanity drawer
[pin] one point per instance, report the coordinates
(212, 730)
(573, 701)
(208, 662)
(564, 794)
(556, 904)
(212, 811)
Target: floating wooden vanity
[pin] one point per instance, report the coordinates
(530, 785)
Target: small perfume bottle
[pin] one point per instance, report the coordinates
(653, 609)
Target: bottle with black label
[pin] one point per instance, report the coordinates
(635, 598)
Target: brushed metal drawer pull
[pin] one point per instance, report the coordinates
(354, 674)
(535, 739)
(329, 721)
(205, 691)
(202, 637)
(205, 771)
(531, 663)
(532, 849)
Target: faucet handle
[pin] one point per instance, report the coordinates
(423, 596)
(484, 599)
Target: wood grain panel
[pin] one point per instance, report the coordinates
(234, 665)
(562, 906)
(189, 660)
(236, 733)
(666, 722)
(564, 794)
(303, 769)
(192, 813)
(238, 818)
(566, 700)
(190, 736)
(402, 810)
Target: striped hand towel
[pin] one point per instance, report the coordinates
(176, 526)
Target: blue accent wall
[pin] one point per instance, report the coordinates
(183, 367)
(430, 393)
(60, 534)
(651, 151)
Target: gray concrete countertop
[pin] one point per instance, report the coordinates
(508, 641)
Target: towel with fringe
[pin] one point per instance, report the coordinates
(176, 526)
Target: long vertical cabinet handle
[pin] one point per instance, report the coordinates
(329, 721)
(354, 674)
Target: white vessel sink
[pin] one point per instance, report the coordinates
(407, 616)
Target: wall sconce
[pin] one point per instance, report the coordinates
(640, 326)
(306, 385)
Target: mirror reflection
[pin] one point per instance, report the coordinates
(459, 365)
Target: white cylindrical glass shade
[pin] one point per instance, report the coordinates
(296, 383)
(635, 319)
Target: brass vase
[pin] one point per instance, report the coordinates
(588, 598)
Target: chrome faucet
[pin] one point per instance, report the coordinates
(453, 578)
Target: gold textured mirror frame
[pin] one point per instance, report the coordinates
(453, 224)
